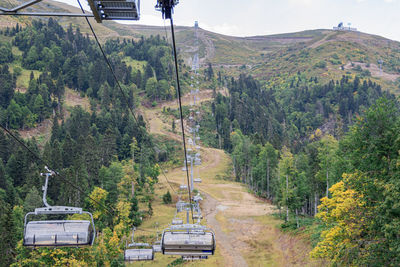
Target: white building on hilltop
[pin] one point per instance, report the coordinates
(341, 27)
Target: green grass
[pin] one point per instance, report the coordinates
(16, 51)
(135, 64)
(24, 78)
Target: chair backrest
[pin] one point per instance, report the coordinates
(190, 242)
(58, 233)
(139, 254)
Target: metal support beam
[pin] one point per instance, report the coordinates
(25, 5)
(44, 14)
(101, 10)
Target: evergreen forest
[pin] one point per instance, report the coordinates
(324, 152)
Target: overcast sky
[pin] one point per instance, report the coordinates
(262, 17)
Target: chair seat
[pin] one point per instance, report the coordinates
(58, 233)
(188, 243)
(139, 254)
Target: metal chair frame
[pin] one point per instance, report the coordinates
(194, 229)
(56, 210)
(134, 244)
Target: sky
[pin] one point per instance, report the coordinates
(263, 17)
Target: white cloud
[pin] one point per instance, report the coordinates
(304, 2)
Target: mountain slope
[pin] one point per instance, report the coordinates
(319, 53)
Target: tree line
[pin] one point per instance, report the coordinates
(328, 151)
(103, 150)
(68, 58)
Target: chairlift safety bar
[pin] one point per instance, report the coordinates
(15, 11)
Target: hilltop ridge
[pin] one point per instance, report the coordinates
(324, 53)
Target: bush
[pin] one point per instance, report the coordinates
(366, 73)
(321, 64)
(335, 56)
(167, 199)
(336, 62)
(17, 71)
(176, 262)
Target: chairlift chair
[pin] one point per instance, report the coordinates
(183, 187)
(197, 180)
(188, 240)
(197, 215)
(115, 9)
(184, 163)
(177, 221)
(197, 198)
(58, 233)
(157, 244)
(181, 205)
(197, 212)
(138, 251)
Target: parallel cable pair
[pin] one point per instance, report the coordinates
(178, 92)
(109, 210)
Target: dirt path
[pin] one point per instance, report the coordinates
(324, 40)
(209, 45)
(224, 241)
(246, 233)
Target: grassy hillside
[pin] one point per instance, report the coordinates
(325, 54)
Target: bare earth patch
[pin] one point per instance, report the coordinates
(42, 131)
(73, 98)
(374, 69)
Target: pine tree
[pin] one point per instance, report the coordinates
(32, 200)
(167, 199)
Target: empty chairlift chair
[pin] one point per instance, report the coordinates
(183, 187)
(115, 9)
(58, 233)
(177, 221)
(197, 180)
(196, 207)
(188, 240)
(138, 251)
(157, 244)
(197, 213)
